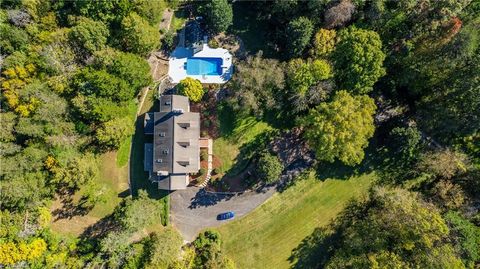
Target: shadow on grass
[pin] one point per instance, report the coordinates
(138, 177)
(253, 31)
(314, 250)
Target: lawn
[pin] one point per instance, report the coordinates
(237, 134)
(113, 181)
(266, 237)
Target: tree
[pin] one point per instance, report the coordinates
(339, 14)
(113, 132)
(257, 84)
(269, 168)
(406, 142)
(150, 10)
(192, 88)
(131, 68)
(219, 15)
(443, 163)
(102, 84)
(138, 36)
(105, 11)
(89, 35)
(298, 34)
(131, 214)
(164, 249)
(324, 42)
(393, 228)
(466, 238)
(358, 60)
(208, 252)
(341, 128)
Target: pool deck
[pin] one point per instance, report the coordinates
(178, 59)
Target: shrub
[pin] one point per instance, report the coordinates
(212, 43)
(192, 88)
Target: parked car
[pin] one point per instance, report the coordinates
(226, 215)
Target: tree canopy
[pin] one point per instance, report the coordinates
(138, 36)
(219, 15)
(192, 88)
(298, 34)
(340, 129)
(358, 59)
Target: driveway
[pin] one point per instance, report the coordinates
(194, 209)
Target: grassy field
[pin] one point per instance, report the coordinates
(266, 237)
(113, 181)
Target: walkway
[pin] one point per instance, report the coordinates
(195, 209)
(207, 143)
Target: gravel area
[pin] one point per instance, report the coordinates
(195, 209)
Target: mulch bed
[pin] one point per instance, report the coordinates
(208, 113)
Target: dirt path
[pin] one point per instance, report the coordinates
(195, 209)
(166, 19)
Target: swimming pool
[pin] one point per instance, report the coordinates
(204, 66)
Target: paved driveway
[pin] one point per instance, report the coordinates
(194, 209)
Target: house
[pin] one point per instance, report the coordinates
(175, 151)
(195, 59)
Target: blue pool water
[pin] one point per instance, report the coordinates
(204, 66)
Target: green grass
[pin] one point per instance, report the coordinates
(123, 152)
(243, 131)
(266, 237)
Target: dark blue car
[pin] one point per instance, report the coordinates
(226, 215)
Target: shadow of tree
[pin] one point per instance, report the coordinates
(314, 251)
(206, 199)
(69, 208)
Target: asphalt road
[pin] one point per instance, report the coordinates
(194, 209)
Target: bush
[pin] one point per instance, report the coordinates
(212, 43)
(192, 88)
(203, 155)
(168, 41)
(269, 168)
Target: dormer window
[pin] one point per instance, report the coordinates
(165, 151)
(162, 134)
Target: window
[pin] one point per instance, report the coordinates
(167, 103)
(165, 151)
(162, 134)
(159, 161)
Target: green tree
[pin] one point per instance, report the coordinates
(131, 214)
(105, 11)
(269, 168)
(150, 10)
(466, 238)
(192, 88)
(113, 132)
(164, 249)
(219, 15)
(358, 59)
(138, 36)
(102, 84)
(341, 128)
(298, 34)
(89, 35)
(208, 252)
(133, 69)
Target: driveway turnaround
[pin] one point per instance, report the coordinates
(195, 209)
